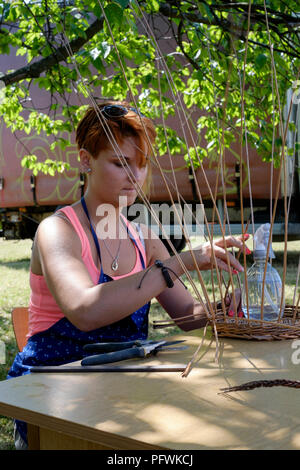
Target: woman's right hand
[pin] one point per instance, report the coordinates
(208, 255)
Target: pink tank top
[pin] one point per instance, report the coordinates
(43, 309)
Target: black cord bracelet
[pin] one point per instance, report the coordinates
(165, 272)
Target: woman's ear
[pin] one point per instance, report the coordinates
(85, 160)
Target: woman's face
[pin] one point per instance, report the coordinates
(109, 179)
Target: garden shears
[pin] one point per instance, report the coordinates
(105, 353)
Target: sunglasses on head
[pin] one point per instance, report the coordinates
(115, 111)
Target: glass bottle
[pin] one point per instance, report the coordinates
(272, 290)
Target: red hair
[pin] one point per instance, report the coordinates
(95, 132)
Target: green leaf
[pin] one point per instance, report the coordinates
(260, 61)
(154, 5)
(208, 12)
(98, 64)
(83, 89)
(114, 14)
(28, 161)
(97, 10)
(125, 51)
(292, 127)
(123, 3)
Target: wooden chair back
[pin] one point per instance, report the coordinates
(20, 325)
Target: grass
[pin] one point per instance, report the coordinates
(15, 291)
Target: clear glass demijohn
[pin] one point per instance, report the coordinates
(255, 280)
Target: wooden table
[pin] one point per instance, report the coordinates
(163, 410)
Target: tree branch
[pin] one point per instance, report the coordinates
(193, 15)
(37, 68)
(278, 17)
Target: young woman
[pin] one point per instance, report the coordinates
(91, 285)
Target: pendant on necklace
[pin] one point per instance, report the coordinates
(114, 265)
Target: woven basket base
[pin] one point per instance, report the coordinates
(242, 328)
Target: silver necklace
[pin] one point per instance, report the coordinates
(115, 259)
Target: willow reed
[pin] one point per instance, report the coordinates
(210, 308)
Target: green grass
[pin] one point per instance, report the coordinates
(15, 291)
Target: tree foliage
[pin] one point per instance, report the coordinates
(209, 60)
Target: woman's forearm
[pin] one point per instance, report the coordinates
(109, 302)
(195, 317)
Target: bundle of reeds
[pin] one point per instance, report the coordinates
(287, 325)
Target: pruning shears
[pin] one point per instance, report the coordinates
(105, 353)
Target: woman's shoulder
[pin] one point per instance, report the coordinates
(62, 218)
(57, 220)
(56, 228)
(54, 235)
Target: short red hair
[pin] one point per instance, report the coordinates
(95, 133)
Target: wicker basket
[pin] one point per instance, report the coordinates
(242, 328)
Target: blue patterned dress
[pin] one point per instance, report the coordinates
(63, 342)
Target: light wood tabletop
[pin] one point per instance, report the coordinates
(162, 410)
